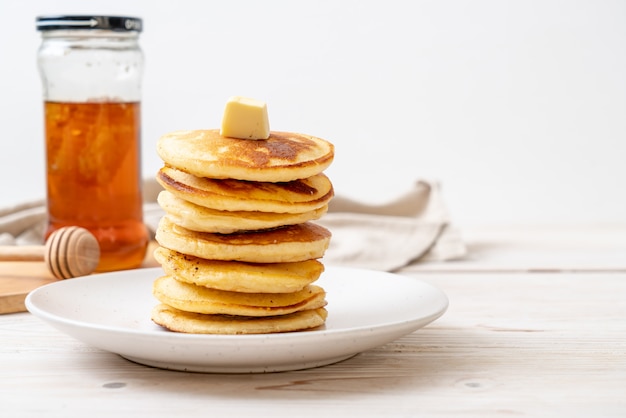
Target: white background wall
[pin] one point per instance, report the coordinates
(518, 108)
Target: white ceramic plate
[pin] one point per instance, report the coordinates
(111, 311)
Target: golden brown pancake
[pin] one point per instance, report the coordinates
(298, 196)
(194, 323)
(198, 218)
(199, 299)
(282, 157)
(237, 276)
(280, 245)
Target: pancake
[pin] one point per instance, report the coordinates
(298, 196)
(237, 276)
(198, 218)
(282, 157)
(199, 299)
(194, 323)
(287, 244)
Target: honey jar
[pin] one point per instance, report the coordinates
(91, 69)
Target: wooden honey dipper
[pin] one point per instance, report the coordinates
(69, 252)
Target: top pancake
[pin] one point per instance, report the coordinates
(282, 157)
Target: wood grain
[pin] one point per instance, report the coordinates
(510, 345)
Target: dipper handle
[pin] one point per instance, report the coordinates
(22, 253)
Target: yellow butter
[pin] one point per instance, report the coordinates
(245, 118)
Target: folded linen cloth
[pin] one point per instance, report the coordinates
(411, 228)
(23, 224)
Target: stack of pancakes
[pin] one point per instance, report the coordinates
(237, 243)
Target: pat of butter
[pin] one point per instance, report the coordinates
(245, 118)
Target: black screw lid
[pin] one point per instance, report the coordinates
(115, 23)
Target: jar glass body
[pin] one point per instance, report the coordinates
(92, 97)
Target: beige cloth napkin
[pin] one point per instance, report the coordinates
(413, 227)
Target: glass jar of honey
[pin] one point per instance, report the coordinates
(91, 69)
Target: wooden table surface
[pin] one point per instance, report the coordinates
(536, 327)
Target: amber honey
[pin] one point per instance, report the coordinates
(93, 177)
